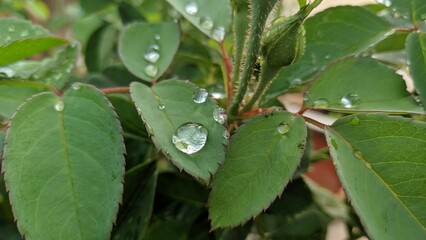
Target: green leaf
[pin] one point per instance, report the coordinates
(214, 24)
(169, 105)
(147, 49)
(63, 165)
(381, 163)
(94, 5)
(262, 157)
(99, 47)
(330, 35)
(23, 39)
(416, 54)
(412, 9)
(360, 84)
(127, 114)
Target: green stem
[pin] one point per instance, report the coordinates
(240, 28)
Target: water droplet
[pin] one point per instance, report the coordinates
(59, 106)
(157, 37)
(200, 95)
(219, 34)
(76, 86)
(24, 33)
(151, 70)
(295, 82)
(226, 135)
(283, 128)
(321, 103)
(387, 3)
(152, 56)
(350, 100)
(328, 56)
(7, 38)
(155, 47)
(355, 121)
(219, 115)
(191, 8)
(11, 28)
(306, 96)
(6, 72)
(161, 106)
(358, 154)
(190, 137)
(206, 23)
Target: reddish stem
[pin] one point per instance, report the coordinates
(116, 90)
(302, 110)
(314, 122)
(228, 67)
(256, 112)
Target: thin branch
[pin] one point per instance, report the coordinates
(314, 122)
(116, 90)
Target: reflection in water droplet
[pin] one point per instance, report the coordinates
(59, 106)
(355, 121)
(191, 8)
(161, 106)
(321, 103)
(24, 33)
(152, 56)
(350, 101)
(283, 128)
(11, 28)
(387, 3)
(76, 86)
(157, 37)
(190, 137)
(6, 72)
(151, 70)
(200, 95)
(219, 115)
(219, 34)
(206, 23)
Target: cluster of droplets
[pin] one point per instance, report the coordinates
(190, 137)
(13, 30)
(217, 32)
(152, 55)
(348, 101)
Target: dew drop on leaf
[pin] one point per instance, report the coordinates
(161, 106)
(190, 137)
(321, 103)
(206, 23)
(76, 86)
(295, 82)
(200, 95)
(226, 135)
(151, 70)
(152, 55)
(350, 101)
(6, 72)
(11, 28)
(157, 37)
(59, 106)
(283, 128)
(191, 8)
(24, 33)
(154, 46)
(355, 121)
(219, 34)
(219, 115)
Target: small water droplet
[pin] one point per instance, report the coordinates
(76, 86)
(157, 37)
(321, 103)
(283, 128)
(152, 56)
(161, 106)
(328, 56)
(24, 33)
(219, 34)
(358, 154)
(59, 106)
(200, 95)
(387, 3)
(7, 38)
(11, 28)
(219, 115)
(226, 134)
(154, 46)
(295, 82)
(355, 121)
(306, 96)
(350, 100)
(151, 70)
(191, 8)
(190, 137)
(6, 72)
(206, 23)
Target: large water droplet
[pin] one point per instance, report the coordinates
(219, 115)
(321, 103)
(76, 86)
(206, 23)
(6, 72)
(387, 3)
(152, 56)
(24, 33)
(190, 137)
(200, 95)
(11, 28)
(283, 128)
(355, 121)
(191, 8)
(59, 106)
(219, 34)
(350, 101)
(151, 70)
(161, 106)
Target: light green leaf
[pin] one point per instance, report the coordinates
(63, 165)
(214, 24)
(381, 163)
(330, 35)
(168, 106)
(416, 54)
(360, 84)
(262, 157)
(147, 49)
(23, 39)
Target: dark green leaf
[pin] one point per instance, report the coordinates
(63, 165)
(99, 48)
(360, 84)
(168, 106)
(416, 54)
(127, 114)
(128, 13)
(262, 157)
(381, 163)
(213, 18)
(147, 49)
(94, 5)
(411, 10)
